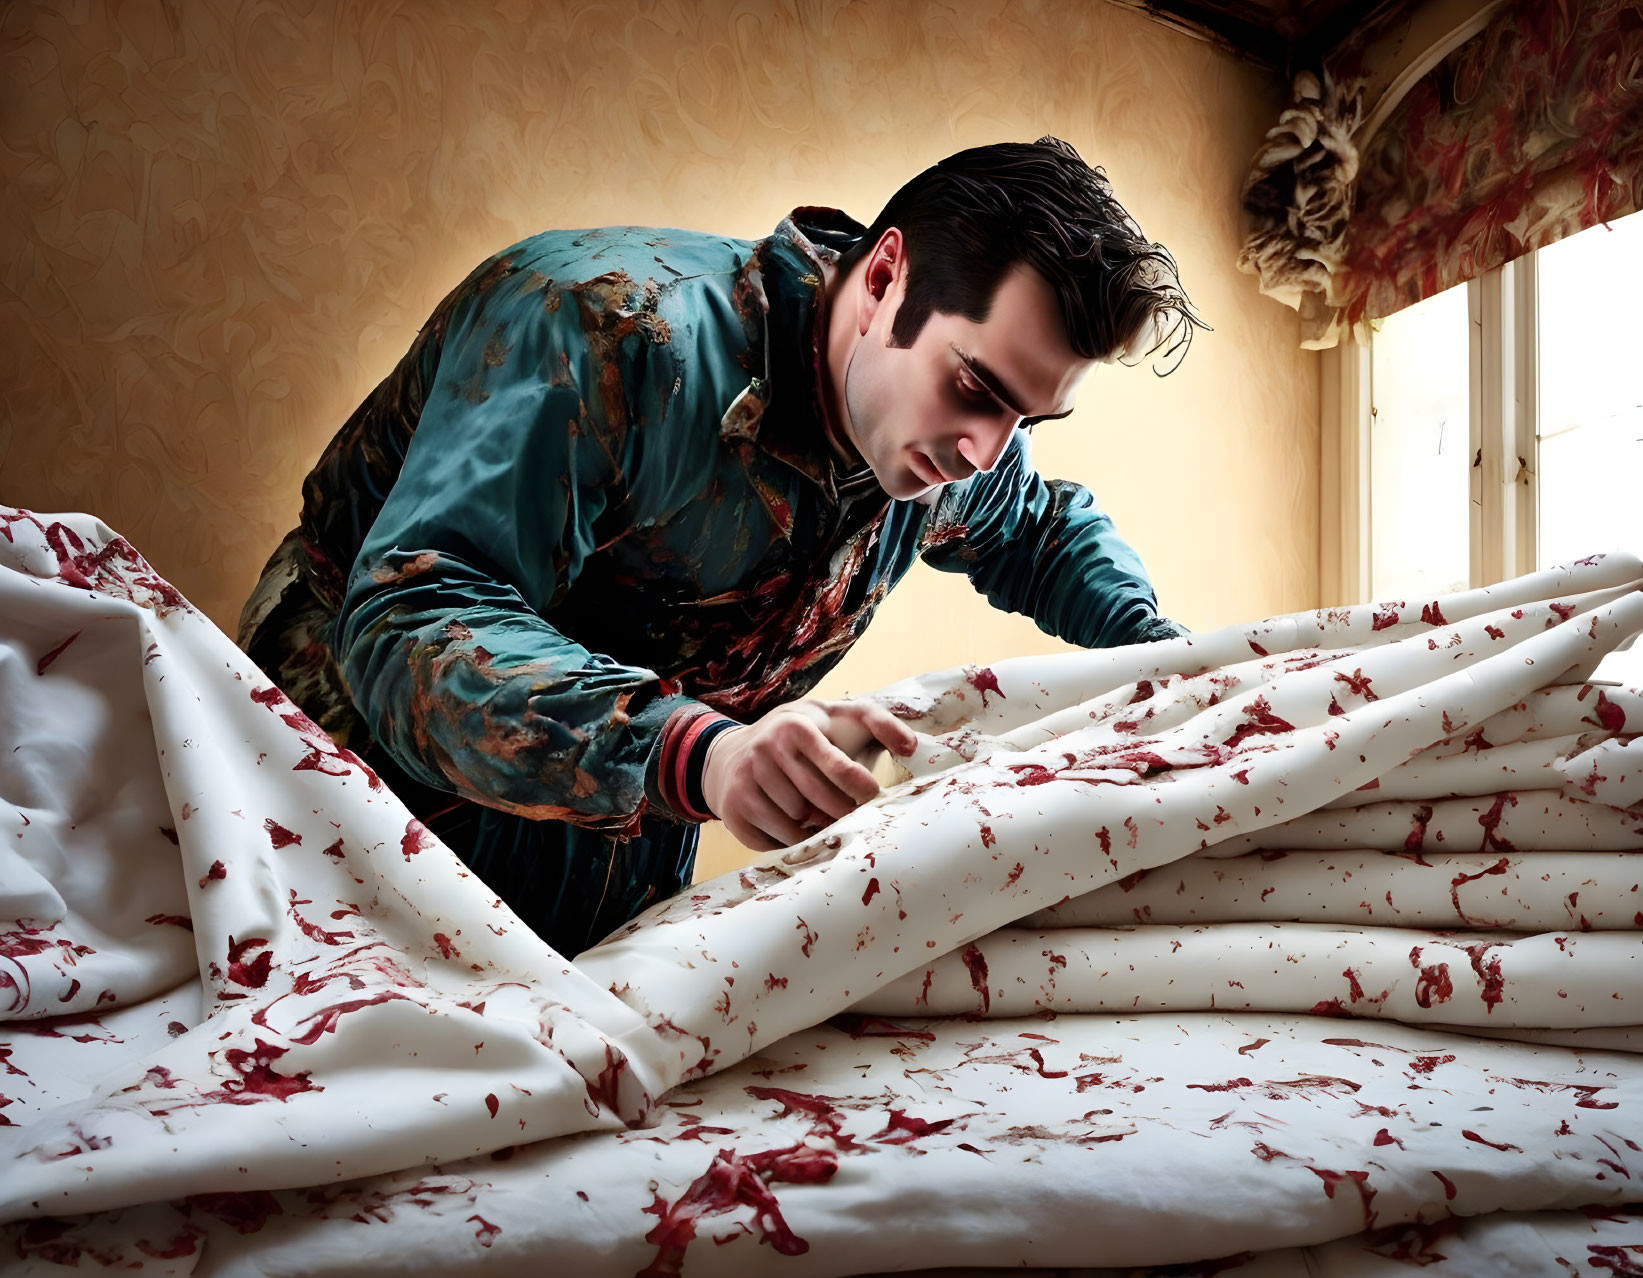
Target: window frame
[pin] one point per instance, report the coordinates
(1504, 403)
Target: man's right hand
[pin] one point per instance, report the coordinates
(799, 768)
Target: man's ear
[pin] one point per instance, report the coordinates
(885, 268)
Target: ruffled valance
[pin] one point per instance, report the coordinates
(1528, 132)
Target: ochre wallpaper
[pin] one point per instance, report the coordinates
(223, 221)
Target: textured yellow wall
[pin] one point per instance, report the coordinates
(223, 221)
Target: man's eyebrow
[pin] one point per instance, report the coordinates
(999, 390)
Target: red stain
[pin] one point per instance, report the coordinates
(1502, 866)
(491, 1103)
(1357, 682)
(1417, 836)
(1037, 1057)
(987, 836)
(976, 961)
(171, 920)
(217, 871)
(1490, 820)
(1359, 1180)
(1426, 1064)
(1488, 972)
(1384, 1137)
(1473, 1136)
(983, 681)
(246, 1212)
(902, 1130)
(446, 949)
(258, 1078)
(1385, 617)
(44, 663)
(1434, 985)
(325, 1020)
(1610, 717)
(1257, 649)
(1432, 615)
(731, 1181)
(487, 1232)
(417, 838)
(1014, 874)
(773, 982)
(872, 891)
(810, 937)
(1258, 721)
(1247, 1048)
(278, 835)
(252, 975)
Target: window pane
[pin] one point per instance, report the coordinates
(1591, 393)
(1419, 438)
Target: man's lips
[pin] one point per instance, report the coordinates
(927, 470)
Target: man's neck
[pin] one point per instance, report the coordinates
(833, 334)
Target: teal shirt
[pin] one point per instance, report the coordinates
(599, 489)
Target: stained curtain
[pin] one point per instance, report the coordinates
(1528, 132)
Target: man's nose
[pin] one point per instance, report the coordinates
(983, 446)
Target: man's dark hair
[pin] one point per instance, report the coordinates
(970, 218)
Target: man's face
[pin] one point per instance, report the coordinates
(945, 407)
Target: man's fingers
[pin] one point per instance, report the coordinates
(780, 789)
(802, 763)
(748, 835)
(843, 772)
(891, 732)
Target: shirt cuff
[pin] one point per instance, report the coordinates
(686, 736)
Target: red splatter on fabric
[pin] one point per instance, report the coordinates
(1426, 1064)
(1434, 985)
(278, 835)
(1488, 972)
(1385, 617)
(1417, 836)
(245, 1211)
(976, 962)
(446, 949)
(252, 975)
(871, 892)
(1359, 1180)
(1432, 615)
(258, 1079)
(217, 872)
(1258, 721)
(1506, 1148)
(487, 1232)
(491, 1103)
(983, 681)
(902, 1130)
(44, 663)
(417, 838)
(987, 836)
(810, 937)
(1502, 866)
(325, 1020)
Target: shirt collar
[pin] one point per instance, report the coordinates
(779, 293)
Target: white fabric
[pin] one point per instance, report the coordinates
(261, 1022)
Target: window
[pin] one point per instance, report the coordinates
(1492, 429)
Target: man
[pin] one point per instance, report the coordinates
(566, 575)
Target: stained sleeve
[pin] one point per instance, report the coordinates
(1042, 547)
(517, 471)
